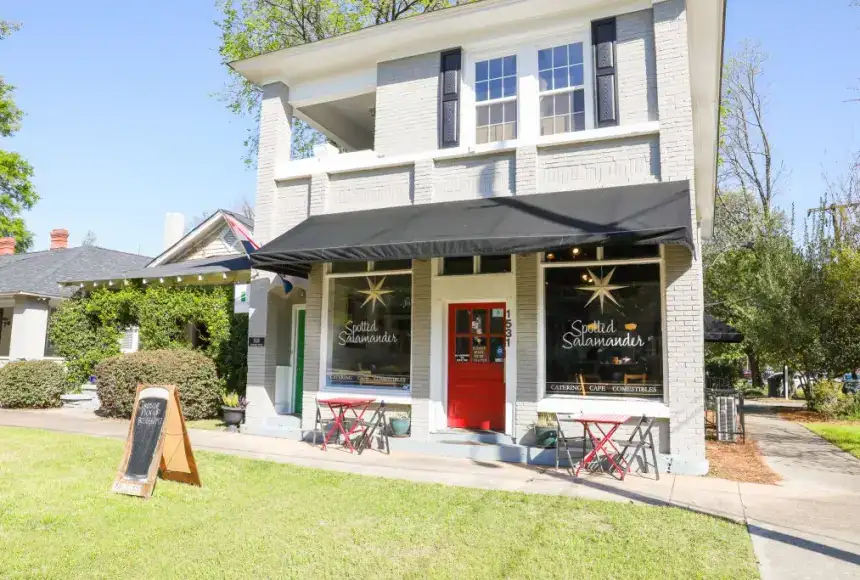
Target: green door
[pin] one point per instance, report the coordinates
(300, 362)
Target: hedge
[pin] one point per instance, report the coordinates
(35, 384)
(193, 374)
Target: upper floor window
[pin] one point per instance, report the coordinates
(496, 98)
(562, 89)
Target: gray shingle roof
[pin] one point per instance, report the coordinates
(41, 272)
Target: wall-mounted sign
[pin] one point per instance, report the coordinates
(256, 341)
(241, 299)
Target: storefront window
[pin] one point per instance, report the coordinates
(370, 324)
(603, 331)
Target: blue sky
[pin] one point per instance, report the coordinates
(121, 126)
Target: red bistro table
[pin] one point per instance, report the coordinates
(591, 423)
(338, 407)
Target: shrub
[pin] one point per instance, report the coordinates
(827, 398)
(35, 384)
(192, 372)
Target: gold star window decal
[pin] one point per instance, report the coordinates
(601, 288)
(375, 294)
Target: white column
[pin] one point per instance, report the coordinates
(29, 326)
(276, 117)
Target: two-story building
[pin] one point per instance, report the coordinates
(510, 223)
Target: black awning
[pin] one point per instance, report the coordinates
(719, 331)
(657, 213)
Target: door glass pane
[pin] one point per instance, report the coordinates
(497, 321)
(462, 319)
(462, 353)
(479, 321)
(479, 349)
(497, 349)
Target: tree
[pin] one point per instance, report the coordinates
(747, 158)
(251, 27)
(17, 193)
(89, 239)
(750, 239)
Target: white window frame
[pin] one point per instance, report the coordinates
(500, 100)
(660, 260)
(386, 393)
(528, 84)
(586, 52)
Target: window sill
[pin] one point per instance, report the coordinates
(579, 404)
(390, 396)
(368, 160)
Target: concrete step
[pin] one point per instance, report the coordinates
(282, 426)
(458, 436)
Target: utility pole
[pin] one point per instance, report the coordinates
(837, 214)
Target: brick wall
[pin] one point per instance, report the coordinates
(291, 204)
(407, 105)
(313, 337)
(637, 67)
(622, 162)
(372, 189)
(473, 177)
(274, 142)
(421, 279)
(526, 328)
(684, 300)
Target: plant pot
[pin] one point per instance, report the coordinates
(232, 417)
(546, 436)
(400, 427)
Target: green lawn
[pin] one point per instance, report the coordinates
(846, 437)
(257, 519)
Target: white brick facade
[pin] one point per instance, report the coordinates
(654, 104)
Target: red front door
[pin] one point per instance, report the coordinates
(476, 366)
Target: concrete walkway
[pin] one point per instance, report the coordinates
(809, 525)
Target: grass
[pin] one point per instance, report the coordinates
(254, 519)
(846, 437)
(739, 462)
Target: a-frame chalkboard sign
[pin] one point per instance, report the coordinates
(157, 443)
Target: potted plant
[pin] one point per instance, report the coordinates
(399, 421)
(233, 410)
(546, 430)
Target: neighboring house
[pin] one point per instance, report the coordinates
(513, 224)
(213, 253)
(30, 289)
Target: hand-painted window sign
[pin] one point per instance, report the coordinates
(256, 341)
(608, 389)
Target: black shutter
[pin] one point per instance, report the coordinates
(449, 98)
(605, 90)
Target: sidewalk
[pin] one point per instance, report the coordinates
(809, 525)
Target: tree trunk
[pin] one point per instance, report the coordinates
(755, 372)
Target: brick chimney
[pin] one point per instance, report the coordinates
(59, 239)
(7, 246)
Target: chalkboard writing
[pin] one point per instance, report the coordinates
(148, 424)
(157, 443)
